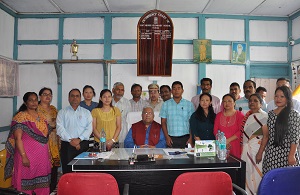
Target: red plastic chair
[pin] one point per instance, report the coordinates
(212, 183)
(87, 183)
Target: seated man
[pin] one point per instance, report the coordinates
(147, 133)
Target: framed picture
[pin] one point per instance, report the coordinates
(202, 50)
(238, 53)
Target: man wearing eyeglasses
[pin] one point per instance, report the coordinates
(146, 133)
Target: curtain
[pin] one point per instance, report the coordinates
(9, 74)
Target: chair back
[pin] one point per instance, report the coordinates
(280, 181)
(193, 183)
(87, 183)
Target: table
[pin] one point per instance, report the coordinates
(158, 177)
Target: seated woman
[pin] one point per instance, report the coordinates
(229, 121)
(202, 120)
(255, 138)
(106, 117)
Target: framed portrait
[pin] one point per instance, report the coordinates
(202, 50)
(238, 53)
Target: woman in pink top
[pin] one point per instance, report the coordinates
(229, 121)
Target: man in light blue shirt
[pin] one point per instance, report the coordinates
(242, 103)
(175, 115)
(74, 127)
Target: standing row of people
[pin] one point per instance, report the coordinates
(41, 138)
(275, 133)
(180, 125)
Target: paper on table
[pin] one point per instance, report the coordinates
(85, 155)
(104, 155)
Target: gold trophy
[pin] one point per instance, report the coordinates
(74, 50)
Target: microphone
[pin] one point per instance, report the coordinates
(240, 109)
(182, 108)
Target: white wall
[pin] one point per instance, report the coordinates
(223, 76)
(79, 75)
(268, 31)
(6, 111)
(296, 35)
(35, 76)
(6, 50)
(125, 28)
(7, 34)
(225, 29)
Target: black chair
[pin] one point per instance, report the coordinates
(8, 191)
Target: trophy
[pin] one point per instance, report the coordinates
(74, 50)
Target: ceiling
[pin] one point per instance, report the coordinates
(231, 7)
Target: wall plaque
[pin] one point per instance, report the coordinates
(155, 44)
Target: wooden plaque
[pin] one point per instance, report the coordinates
(155, 44)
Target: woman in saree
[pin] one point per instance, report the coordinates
(50, 113)
(28, 160)
(255, 138)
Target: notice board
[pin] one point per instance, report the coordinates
(155, 44)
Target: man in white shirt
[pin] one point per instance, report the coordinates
(74, 127)
(124, 105)
(206, 85)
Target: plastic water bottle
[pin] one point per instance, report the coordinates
(218, 142)
(222, 147)
(102, 144)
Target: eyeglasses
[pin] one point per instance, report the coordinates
(47, 94)
(148, 113)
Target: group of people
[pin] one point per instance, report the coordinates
(41, 139)
(265, 135)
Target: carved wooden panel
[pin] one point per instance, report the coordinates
(155, 44)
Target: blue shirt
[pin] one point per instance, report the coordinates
(129, 143)
(72, 123)
(91, 107)
(178, 116)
